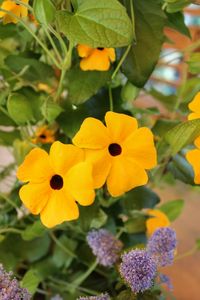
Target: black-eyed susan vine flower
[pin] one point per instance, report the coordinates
(120, 151)
(95, 58)
(55, 183)
(16, 9)
(156, 220)
(44, 135)
(194, 106)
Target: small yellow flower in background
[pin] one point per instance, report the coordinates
(16, 9)
(44, 135)
(120, 151)
(156, 220)
(193, 157)
(194, 106)
(95, 58)
(45, 88)
(55, 182)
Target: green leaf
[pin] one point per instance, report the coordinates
(169, 101)
(7, 138)
(136, 222)
(139, 198)
(176, 5)
(194, 63)
(84, 84)
(129, 92)
(44, 11)
(181, 169)
(144, 54)
(99, 220)
(97, 24)
(183, 134)
(162, 126)
(5, 120)
(21, 149)
(19, 109)
(33, 231)
(31, 281)
(176, 21)
(61, 257)
(35, 70)
(172, 209)
(50, 110)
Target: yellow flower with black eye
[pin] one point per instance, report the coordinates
(55, 183)
(194, 106)
(120, 151)
(193, 157)
(156, 220)
(98, 59)
(16, 9)
(44, 135)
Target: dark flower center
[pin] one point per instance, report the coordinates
(42, 136)
(56, 182)
(100, 48)
(115, 149)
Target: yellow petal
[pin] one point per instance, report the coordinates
(79, 182)
(120, 126)
(157, 219)
(36, 167)
(140, 147)
(195, 104)
(84, 50)
(92, 135)
(63, 157)
(7, 5)
(35, 196)
(194, 116)
(197, 142)
(97, 60)
(101, 161)
(23, 9)
(60, 207)
(111, 53)
(193, 156)
(124, 175)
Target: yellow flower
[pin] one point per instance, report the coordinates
(44, 135)
(193, 157)
(120, 152)
(16, 9)
(44, 87)
(95, 58)
(55, 182)
(157, 219)
(194, 106)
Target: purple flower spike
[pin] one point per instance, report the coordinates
(138, 269)
(104, 246)
(10, 288)
(100, 297)
(162, 245)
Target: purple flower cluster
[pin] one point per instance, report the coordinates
(100, 297)
(138, 269)
(105, 246)
(10, 288)
(162, 245)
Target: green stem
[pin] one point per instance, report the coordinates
(57, 35)
(66, 250)
(83, 277)
(121, 62)
(33, 35)
(188, 253)
(132, 17)
(8, 200)
(66, 65)
(13, 230)
(110, 98)
(53, 44)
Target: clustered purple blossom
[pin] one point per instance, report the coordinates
(10, 288)
(100, 297)
(162, 245)
(105, 246)
(166, 280)
(138, 269)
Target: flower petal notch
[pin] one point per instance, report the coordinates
(120, 151)
(55, 183)
(98, 59)
(14, 9)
